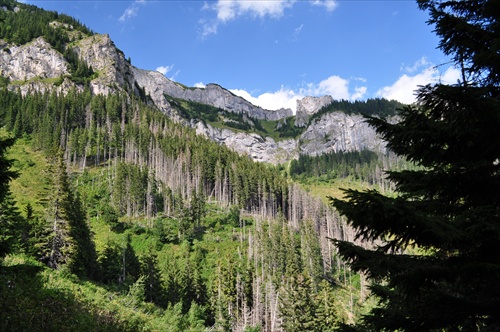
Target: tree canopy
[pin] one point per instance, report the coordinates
(436, 265)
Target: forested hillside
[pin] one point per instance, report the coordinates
(372, 107)
(115, 195)
(115, 217)
(130, 221)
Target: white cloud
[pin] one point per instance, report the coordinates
(167, 69)
(451, 76)
(228, 10)
(283, 98)
(208, 28)
(131, 11)
(296, 32)
(418, 65)
(404, 88)
(330, 5)
(164, 69)
(334, 86)
(359, 93)
(199, 85)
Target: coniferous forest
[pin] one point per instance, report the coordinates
(132, 201)
(113, 217)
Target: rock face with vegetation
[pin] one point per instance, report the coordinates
(308, 106)
(118, 214)
(39, 66)
(36, 59)
(263, 149)
(100, 53)
(338, 131)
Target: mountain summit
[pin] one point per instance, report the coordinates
(89, 60)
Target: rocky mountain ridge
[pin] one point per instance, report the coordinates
(37, 66)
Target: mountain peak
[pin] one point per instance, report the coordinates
(307, 106)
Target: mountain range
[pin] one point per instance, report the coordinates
(120, 186)
(273, 136)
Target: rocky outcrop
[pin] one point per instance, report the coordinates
(332, 132)
(36, 66)
(263, 149)
(338, 131)
(217, 96)
(36, 59)
(307, 106)
(100, 53)
(157, 85)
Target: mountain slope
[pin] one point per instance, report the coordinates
(186, 233)
(41, 65)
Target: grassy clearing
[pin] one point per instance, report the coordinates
(334, 188)
(35, 298)
(32, 166)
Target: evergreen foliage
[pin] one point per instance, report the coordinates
(154, 290)
(10, 218)
(31, 22)
(69, 238)
(12, 225)
(286, 128)
(297, 307)
(337, 165)
(436, 267)
(150, 226)
(373, 107)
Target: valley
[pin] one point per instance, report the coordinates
(131, 202)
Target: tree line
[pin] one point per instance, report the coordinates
(31, 22)
(375, 107)
(154, 169)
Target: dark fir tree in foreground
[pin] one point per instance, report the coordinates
(438, 267)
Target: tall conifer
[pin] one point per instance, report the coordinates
(437, 267)
(9, 216)
(69, 240)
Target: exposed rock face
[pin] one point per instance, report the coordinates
(101, 54)
(157, 85)
(337, 131)
(217, 96)
(36, 66)
(253, 145)
(36, 59)
(307, 106)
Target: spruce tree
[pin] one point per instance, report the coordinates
(12, 225)
(60, 246)
(84, 260)
(436, 265)
(154, 288)
(69, 239)
(11, 222)
(131, 267)
(6, 174)
(327, 309)
(110, 263)
(297, 306)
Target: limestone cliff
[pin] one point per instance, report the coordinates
(264, 149)
(157, 85)
(37, 66)
(338, 131)
(308, 106)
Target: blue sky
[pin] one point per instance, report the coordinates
(274, 52)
